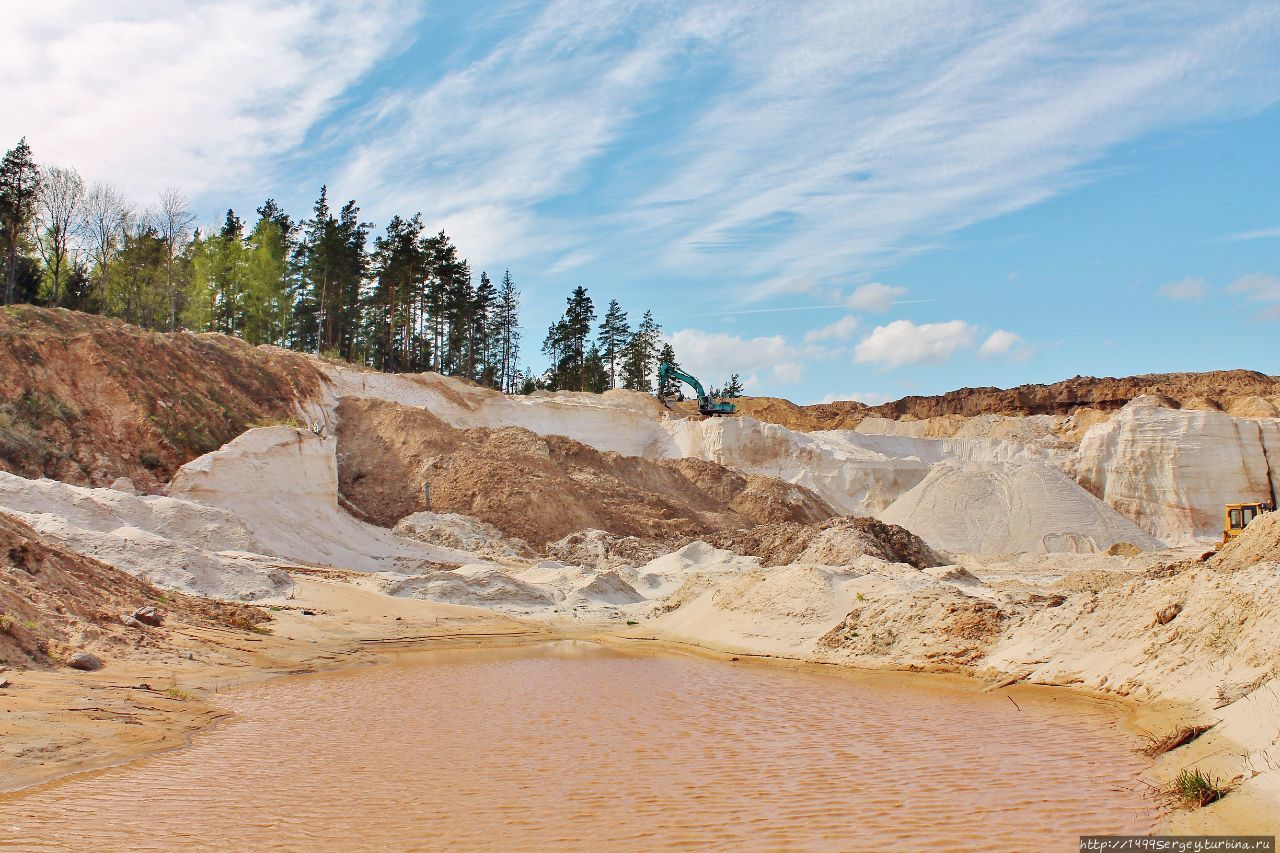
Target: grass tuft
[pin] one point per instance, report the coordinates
(1160, 744)
(1193, 789)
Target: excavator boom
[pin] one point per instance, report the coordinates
(706, 405)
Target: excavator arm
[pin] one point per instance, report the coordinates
(706, 405)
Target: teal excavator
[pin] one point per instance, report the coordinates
(706, 405)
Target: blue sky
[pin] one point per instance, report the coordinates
(847, 199)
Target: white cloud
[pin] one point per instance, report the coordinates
(875, 297)
(840, 330)
(713, 356)
(1004, 345)
(204, 96)
(1259, 287)
(903, 342)
(1260, 234)
(1186, 290)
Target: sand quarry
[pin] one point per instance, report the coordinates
(384, 511)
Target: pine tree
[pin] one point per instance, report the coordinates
(267, 300)
(614, 333)
(595, 378)
(733, 388)
(479, 343)
(507, 334)
(671, 387)
(639, 354)
(19, 191)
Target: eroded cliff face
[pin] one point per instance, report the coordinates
(1243, 393)
(87, 399)
(1172, 471)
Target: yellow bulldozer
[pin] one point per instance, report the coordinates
(1236, 517)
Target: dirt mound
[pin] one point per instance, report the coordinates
(1257, 543)
(600, 549)
(459, 531)
(89, 399)
(835, 542)
(54, 602)
(1243, 393)
(931, 628)
(542, 488)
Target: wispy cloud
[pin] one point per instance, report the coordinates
(840, 330)
(1260, 234)
(1260, 287)
(875, 297)
(877, 128)
(1186, 290)
(198, 95)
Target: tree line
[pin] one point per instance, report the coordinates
(407, 301)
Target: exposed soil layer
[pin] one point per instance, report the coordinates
(543, 488)
(88, 399)
(835, 542)
(1244, 393)
(54, 602)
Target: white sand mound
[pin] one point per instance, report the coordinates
(608, 588)
(665, 574)
(1001, 508)
(487, 587)
(283, 484)
(105, 510)
(462, 532)
(166, 562)
(172, 543)
(603, 550)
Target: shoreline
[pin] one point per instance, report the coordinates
(356, 629)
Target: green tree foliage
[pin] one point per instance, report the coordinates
(505, 334)
(640, 354)
(408, 302)
(671, 387)
(566, 345)
(19, 191)
(732, 388)
(614, 334)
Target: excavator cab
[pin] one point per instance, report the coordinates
(707, 405)
(1236, 517)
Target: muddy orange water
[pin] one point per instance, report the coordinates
(574, 746)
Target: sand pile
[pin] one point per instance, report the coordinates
(936, 627)
(168, 542)
(105, 510)
(473, 586)
(54, 601)
(835, 542)
(608, 587)
(543, 488)
(1002, 508)
(603, 550)
(1258, 543)
(460, 532)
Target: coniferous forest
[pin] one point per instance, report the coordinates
(405, 300)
